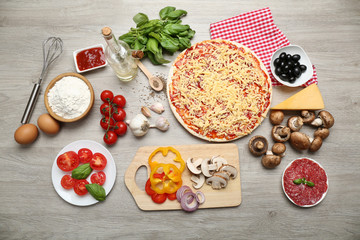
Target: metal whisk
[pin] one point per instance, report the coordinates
(52, 48)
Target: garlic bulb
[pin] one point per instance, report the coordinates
(157, 107)
(162, 124)
(139, 125)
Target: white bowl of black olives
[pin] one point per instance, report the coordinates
(291, 66)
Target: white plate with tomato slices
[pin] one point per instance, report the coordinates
(69, 195)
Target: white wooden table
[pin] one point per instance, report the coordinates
(31, 209)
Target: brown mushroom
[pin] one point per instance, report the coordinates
(258, 145)
(295, 123)
(276, 117)
(280, 133)
(315, 144)
(269, 160)
(324, 119)
(279, 149)
(307, 116)
(300, 141)
(322, 132)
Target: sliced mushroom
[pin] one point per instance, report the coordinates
(279, 149)
(230, 170)
(280, 133)
(219, 161)
(223, 175)
(307, 116)
(205, 168)
(276, 117)
(300, 141)
(193, 166)
(324, 119)
(295, 123)
(269, 160)
(216, 182)
(198, 180)
(315, 144)
(322, 132)
(258, 145)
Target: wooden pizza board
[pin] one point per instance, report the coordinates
(226, 197)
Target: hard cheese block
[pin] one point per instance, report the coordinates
(307, 99)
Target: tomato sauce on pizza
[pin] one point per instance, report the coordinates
(219, 90)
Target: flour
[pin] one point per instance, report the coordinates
(69, 97)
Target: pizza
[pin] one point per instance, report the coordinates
(219, 90)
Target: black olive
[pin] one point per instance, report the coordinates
(291, 72)
(284, 77)
(282, 64)
(297, 64)
(285, 69)
(296, 57)
(282, 55)
(277, 62)
(288, 57)
(278, 71)
(297, 72)
(303, 68)
(291, 64)
(292, 79)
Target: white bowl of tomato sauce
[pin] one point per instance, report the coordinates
(89, 58)
(305, 182)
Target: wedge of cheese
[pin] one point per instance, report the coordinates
(307, 99)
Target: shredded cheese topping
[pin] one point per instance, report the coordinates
(219, 90)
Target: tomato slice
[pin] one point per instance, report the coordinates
(68, 161)
(158, 198)
(67, 182)
(85, 155)
(79, 187)
(98, 162)
(99, 178)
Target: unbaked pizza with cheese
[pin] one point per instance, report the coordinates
(219, 90)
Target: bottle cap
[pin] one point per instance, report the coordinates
(106, 31)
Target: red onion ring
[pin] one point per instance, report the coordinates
(181, 191)
(189, 202)
(200, 197)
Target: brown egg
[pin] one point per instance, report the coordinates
(26, 134)
(47, 124)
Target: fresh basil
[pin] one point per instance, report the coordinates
(303, 181)
(97, 191)
(81, 172)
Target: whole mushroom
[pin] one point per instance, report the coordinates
(315, 144)
(276, 117)
(269, 160)
(295, 123)
(307, 116)
(322, 132)
(258, 145)
(280, 133)
(279, 149)
(324, 119)
(300, 141)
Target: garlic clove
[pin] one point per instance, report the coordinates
(146, 111)
(162, 124)
(157, 107)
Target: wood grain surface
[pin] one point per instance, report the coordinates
(329, 32)
(225, 197)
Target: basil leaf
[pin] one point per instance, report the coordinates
(176, 14)
(310, 184)
(176, 28)
(152, 58)
(165, 11)
(82, 171)
(97, 191)
(298, 181)
(140, 19)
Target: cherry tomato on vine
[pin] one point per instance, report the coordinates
(85, 155)
(110, 137)
(68, 161)
(79, 187)
(104, 122)
(120, 128)
(98, 162)
(119, 100)
(106, 96)
(119, 114)
(106, 109)
(98, 178)
(67, 182)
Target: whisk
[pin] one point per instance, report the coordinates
(52, 48)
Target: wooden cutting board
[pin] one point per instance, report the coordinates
(226, 197)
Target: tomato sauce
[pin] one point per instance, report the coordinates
(90, 58)
(302, 194)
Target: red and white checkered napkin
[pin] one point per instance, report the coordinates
(257, 31)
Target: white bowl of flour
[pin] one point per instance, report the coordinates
(69, 97)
